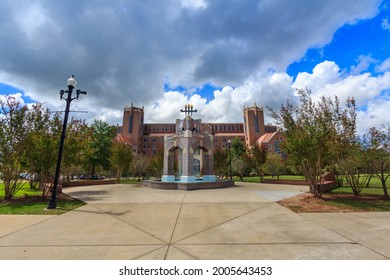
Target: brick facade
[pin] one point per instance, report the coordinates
(147, 138)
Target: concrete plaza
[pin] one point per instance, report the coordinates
(242, 222)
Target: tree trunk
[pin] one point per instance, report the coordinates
(386, 194)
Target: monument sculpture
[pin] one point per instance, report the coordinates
(188, 157)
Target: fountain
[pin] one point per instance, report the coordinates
(188, 158)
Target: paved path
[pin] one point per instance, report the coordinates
(244, 222)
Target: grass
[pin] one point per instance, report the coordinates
(255, 179)
(362, 204)
(365, 191)
(24, 191)
(30, 202)
(286, 177)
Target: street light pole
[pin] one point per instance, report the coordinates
(230, 159)
(71, 84)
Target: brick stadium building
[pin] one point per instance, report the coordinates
(147, 138)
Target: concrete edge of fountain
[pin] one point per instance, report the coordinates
(188, 186)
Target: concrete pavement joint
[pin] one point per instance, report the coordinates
(173, 231)
(115, 217)
(354, 241)
(81, 245)
(155, 250)
(217, 225)
(269, 243)
(1, 237)
(184, 252)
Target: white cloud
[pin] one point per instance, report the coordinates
(376, 114)
(195, 4)
(328, 80)
(227, 105)
(385, 66)
(364, 63)
(386, 24)
(324, 73)
(15, 96)
(122, 51)
(371, 93)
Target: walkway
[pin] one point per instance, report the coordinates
(244, 222)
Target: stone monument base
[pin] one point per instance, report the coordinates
(188, 186)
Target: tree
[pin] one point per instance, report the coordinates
(377, 143)
(317, 134)
(13, 143)
(156, 164)
(355, 168)
(275, 165)
(139, 166)
(43, 136)
(221, 162)
(257, 155)
(78, 137)
(120, 158)
(239, 159)
(97, 150)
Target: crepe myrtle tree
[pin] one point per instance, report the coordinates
(13, 143)
(120, 158)
(44, 131)
(257, 156)
(97, 150)
(377, 143)
(318, 134)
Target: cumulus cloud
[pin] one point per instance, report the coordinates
(372, 94)
(385, 66)
(15, 96)
(328, 80)
(124, 51)
(271, 89)
(375, 114)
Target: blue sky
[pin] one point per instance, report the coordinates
(214, 54)
(366, 38)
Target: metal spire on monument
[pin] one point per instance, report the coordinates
(188, 110)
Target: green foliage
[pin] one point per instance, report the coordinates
(156, 164)
(275, 165)
(13, 143)
(221, 162)
(257, 156)
(317, 134)
(240, 163)
(43, 139)
(354, 168)
(120, 158)
(139, 167)
(78, 135)
(377, 144)
(98, 148)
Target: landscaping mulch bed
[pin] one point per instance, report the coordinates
(335, 203)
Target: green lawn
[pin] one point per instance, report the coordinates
(30, 202)
(22, 192)
(255, 179)
(37, 207)
(286, 177)
(366, 205)
(365, 191)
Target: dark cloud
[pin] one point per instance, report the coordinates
(123, 51)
